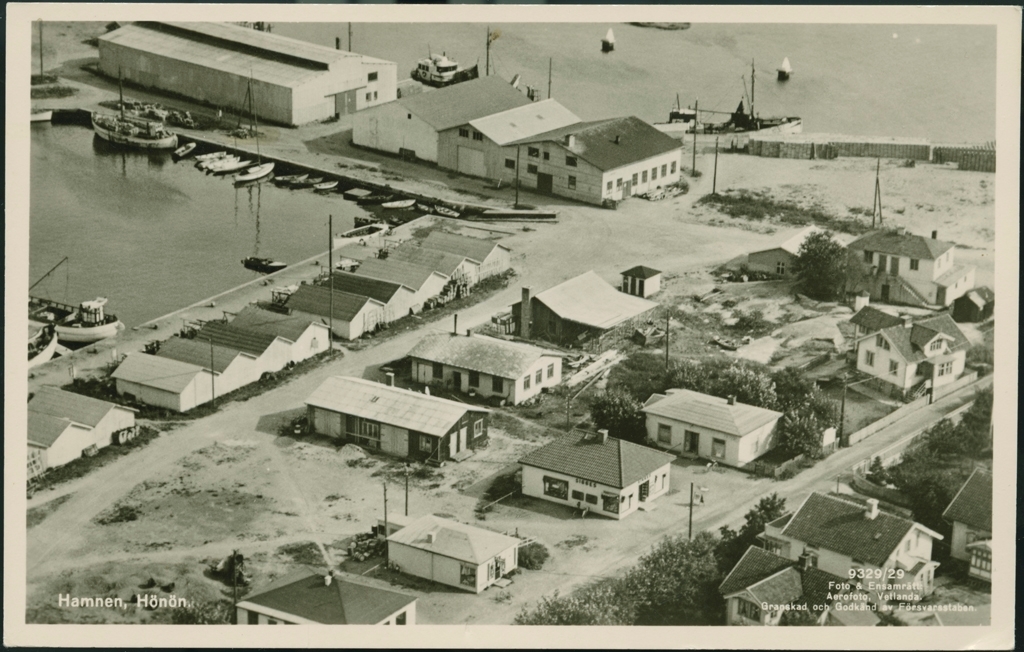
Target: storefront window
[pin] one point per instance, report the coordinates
(467, 575)
(556, 488)
(610, 503)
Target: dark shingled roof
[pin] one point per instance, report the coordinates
(382, 291)
(595, 141)
(615, 463)
(901, 244)
(69, 405)
(456, 105)
(873, 320)
(349, 600)
(316, 300)
(477, 353)
(439, 261)
(641, 272)
(911, 342)
(197, 352)
(755, 565)
(840, 525)
(233, 337)
(775, 579)
(257, 320)
(972, 505)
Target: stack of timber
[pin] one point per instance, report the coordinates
(828, 146)
(981, 158)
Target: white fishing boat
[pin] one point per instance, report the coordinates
(401, 203)
(42, 343)
(42, 115)
(325, 186)
(445, 211)
(184, 150)
(230, 167)
(369, 234)
(289, 179)
(439, 71)
(608, 42)
(214, 163)
(255, 173)
(209, 157)
(82, 325)
(785, 70)
(132, 131)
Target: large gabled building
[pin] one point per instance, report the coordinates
(491, 257)
(350, 315)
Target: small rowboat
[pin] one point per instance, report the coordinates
(184, 150)
(307, 182)
(374, 199)
(325, 186)
(289, 178)
(424, 208)
(231, 167)
(725, 343)
(210, 157)
(445, 211)
(42, 115)
(401, 203)
(215, 163)
(255, 173)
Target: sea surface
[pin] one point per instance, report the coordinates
(154, 236)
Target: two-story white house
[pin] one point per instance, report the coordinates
(485, 366)
(840, 533)
(909, 269)
(921, 354)
(970, 513)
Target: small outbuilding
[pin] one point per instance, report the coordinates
(977, 305)
(306, 337)
(485, 366)
(586, 470)
(641, 281)
(163, 382)
(231, 367)
(425, 282)
(354, 314)
(492, 257)
(779, 259)
(452, 553)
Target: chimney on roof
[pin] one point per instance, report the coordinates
(935, 235)
(327, 578)
(430, 537)
(570, 140)
(525, 315)
(390, 379)
(732, 399)
(803, 562)
(908, 321)
(872, 509)
(617, 139)
(602, 436)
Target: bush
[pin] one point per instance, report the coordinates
(119, 513)
(752, 322)
(502, 486)
(533, 555)
(620, 414)
(197, 612)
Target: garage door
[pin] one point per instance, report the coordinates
(471, 161)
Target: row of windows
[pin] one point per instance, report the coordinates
(559, 488)
(894, 266)
(539, 376)
(464, 132)
(371, 96)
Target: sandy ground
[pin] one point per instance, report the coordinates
(229, 480)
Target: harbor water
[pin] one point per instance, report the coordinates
(153, 235)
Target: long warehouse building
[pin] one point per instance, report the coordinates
(293, 82)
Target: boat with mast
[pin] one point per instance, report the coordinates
(608, 42)
(261, 169)
(130, 130)
(785, 70)
(84, 324)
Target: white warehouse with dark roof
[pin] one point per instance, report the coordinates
(294, 82)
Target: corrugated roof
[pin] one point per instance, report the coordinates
(525, 121)
(69, 405)
(477, 353)
(588, 299)
(641, 272)
(873, 320)
(348, 600)
(452, 539)
(712, 412)
(382, 291)
(439, 261)
(44, 429)
(257, 320)
(901, 244)
(157, 372)
(408, 274)
(476, 249)
(460, 103)
(316, 300)
(840, 525)
(595, 141)
(392, 405)
(972, 505)
(230, 336)
(198, 352)
(614, 463)
(792, 241)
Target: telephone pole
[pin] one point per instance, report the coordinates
(40, 47)
(407, 489)
(487, 60)
(714, 178)
(386, 530)
(330, 284)
(350, 37)
(234, 586)
(517, 178)
(549, 77)
(696, 119)
(877, 205)
(213, 386)
(668, 317)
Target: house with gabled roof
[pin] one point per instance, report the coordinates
(492, 257)
(763, 586)
(599, 161)
(458, 267)
(231, 367)
(779, 258)
(425, 282)
(272, 353)
(353, 314)
(411, 126)
(641, 281)
(906, 269)
(63, 425)
(308, 597)
(306, 337)
(396, 421)
(841, 533)
(914, 355)
(870, 319)
(485, 366)
(163, 382)
(604, 475)
(452, 553)
(398, 300)
(970, 513)
(724, 430)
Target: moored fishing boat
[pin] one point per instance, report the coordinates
(263, 265)
(213, 164)
(306, 182)
(445, 211)
(255, 173)
(132, 131)
(439, 71)
(289, 178)
(401, 203)
(424, 207)
(184, 150)
(42, 343)
(209, 157)
(785, 70)
(230, 167)
(370, 200)
(82, 325)
(325, 186)
(370, 233)
(608, 42)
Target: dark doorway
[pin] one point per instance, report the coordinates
(885, 293)
(457, 380)
(545, 183)
(645, 490)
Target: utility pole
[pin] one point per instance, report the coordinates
(330, 283)
(213, 386)
(517, 176)
(668, 318)
(842, 418)
(386, 530)
(714, 179)
(689, 534)
(878, 196)
(487, 60)
(350, 37)
(406, 488)
(696, 119)
(549, 77)
(234, 586)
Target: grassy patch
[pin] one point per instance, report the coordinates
(306, 552)
(37, 515)
(53, 92)
(758, 205)
(514, 427)
(84, 465)
(752, 323)
(39, 80)
(121, 512)
(575, 541)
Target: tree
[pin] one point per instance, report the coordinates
(821, 266)
(641, 375)
(619, 414)
(733, 544)
(792, 388)
(929, 483)
(799, 617)
(676, 583)
(748, 385)
(977, 422)
(877, 472)
(800, 434)
(200, 612)
(602, 604)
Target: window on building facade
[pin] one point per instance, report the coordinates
(532, 152)
(467, 575)
(474, 379)
(869, 256)
(547, 156)
(894, 367)
(577, 495)
(672, 169)
(478, 136)
(618, 183)
(426, 444)
(664, 170)
(935, 346)
(437, 370)
(556, 487)
(551, 370)
(371, 77)
(718, 448)
(497, 385)
(609, 185)
(271, 621)
(981, 560)
(400, 619)
(654, 173)
(643, 177)
(408, 116)
(748, 609)
(636, 178)
(253, 618)
(915, 264)
(539, 377)
(946, 368)
(570, 161)
(510, 163)
(464, 132)
(664, 433)
(869, 358)
(572, 183)
(780, 268)
(369, 97)
(531, 168)
(369, 434)
(478, 427)
(526, 382)
(610, 503)
(592, 499)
